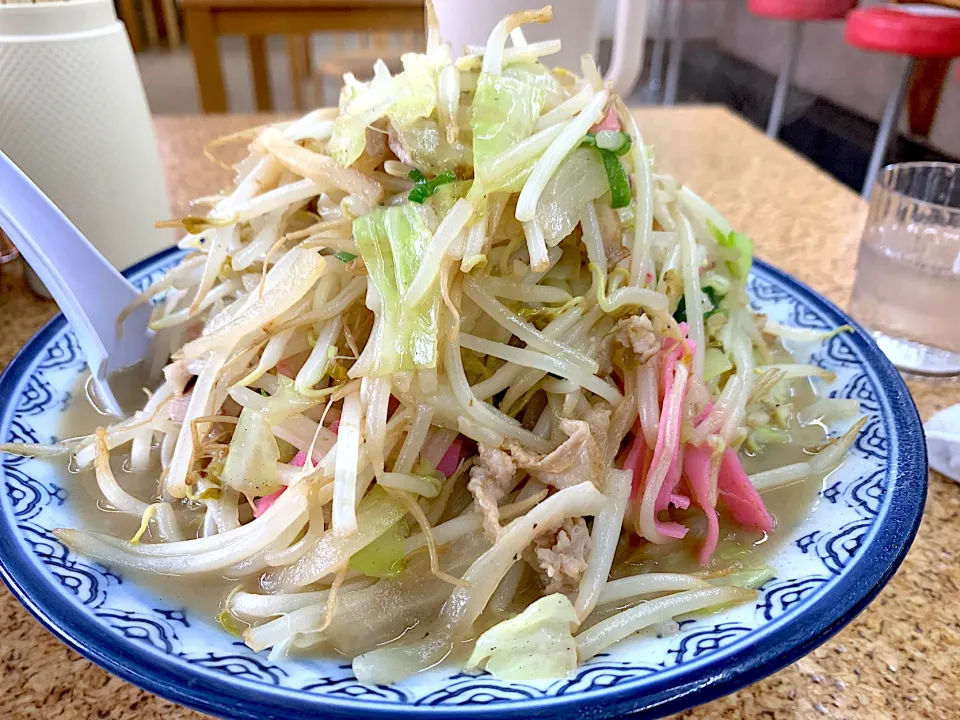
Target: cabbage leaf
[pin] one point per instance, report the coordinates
(288, 401)
(384, 557)
(428, 149)
(251, 465)
(715, 363)
(537, 644)
(579, 179)
(542, 78)
(740, 247)
(417, 89)
(404, 98)
(393, 242)
(505, 112)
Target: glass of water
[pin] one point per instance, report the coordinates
(907, 289)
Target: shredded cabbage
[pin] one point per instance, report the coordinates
(405, 98)
(505, 112)
(393, 242)
(251, 465)
(537, 644)
(579, 179)
(430, 151)
(383, 558)
(749, 579)
(740, 248)
(715, 363)
(416, 89)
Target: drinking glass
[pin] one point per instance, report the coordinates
(907, 288)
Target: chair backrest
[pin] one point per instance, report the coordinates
(143, 19)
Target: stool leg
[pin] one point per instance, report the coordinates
(676, 50)
(888, 127)
(784, 79)
(659, 50)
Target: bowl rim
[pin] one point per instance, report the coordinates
(757, 655)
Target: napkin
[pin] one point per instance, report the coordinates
(943, 442)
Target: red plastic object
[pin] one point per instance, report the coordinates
(915, 30)
(802, 9)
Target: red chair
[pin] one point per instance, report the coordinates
(916, 31)
(798, 12)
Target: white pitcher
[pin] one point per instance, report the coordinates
(575, 22)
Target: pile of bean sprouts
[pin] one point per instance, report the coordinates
(439, 355)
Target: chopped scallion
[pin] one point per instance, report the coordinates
(423, 188)
(680, 315)
(616, 141)
(619, 186)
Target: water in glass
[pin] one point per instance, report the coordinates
(907, 289)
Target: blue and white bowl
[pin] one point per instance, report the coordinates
(828, 568)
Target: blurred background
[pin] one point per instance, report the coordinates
(730, 56)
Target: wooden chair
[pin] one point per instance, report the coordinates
(298, 50)
(131, 17)
(296, 20)
(299, 56)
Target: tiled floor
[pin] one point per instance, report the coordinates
(836, 139)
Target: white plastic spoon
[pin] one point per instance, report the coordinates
(88, 289)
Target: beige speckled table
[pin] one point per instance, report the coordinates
(899, 659)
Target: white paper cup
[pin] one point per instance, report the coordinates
(74, 117)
